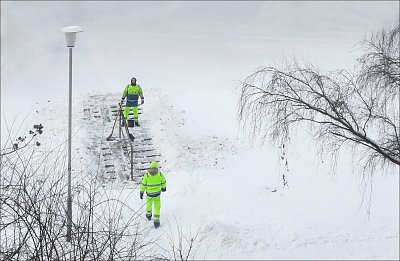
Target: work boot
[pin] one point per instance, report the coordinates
(156, 224)
(137, 123)
(148, 217)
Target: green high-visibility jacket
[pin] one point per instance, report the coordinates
(132, 92)
(153, 184)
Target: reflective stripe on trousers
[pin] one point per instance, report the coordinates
(157, 206)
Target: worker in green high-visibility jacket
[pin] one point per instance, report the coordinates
(132, 91)
(153, 182)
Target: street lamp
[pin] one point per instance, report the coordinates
(70, 37)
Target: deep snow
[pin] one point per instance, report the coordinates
(219, 184)
(221, 188)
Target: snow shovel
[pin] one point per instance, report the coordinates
(109, 137)
(131, 137)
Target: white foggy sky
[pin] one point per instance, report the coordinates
(184, 45)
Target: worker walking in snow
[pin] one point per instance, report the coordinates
(153, 182)
(132, 92)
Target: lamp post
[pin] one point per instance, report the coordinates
(70, 37)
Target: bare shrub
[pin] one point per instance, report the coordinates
(33, 213)
(33, 192)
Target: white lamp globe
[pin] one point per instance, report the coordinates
(70, 34)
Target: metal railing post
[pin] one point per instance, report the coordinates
(131, 160)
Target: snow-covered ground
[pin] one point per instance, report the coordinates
(224, 189)
(220, 183)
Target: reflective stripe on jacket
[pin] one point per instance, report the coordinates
(153, 184)
(132, 92)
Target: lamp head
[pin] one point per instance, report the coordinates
(70, 34)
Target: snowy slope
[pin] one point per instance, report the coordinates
(222, 189)
(189, 60)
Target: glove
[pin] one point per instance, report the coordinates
(143, 100)
(122, 100)
(141, 195)
(163, 189)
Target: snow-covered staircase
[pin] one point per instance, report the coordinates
(114, 156)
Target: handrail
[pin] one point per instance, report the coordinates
(130, 141)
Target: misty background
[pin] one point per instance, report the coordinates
(206, 47)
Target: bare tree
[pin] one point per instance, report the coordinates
(32, 207)
(33, 220)
(358, 108)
